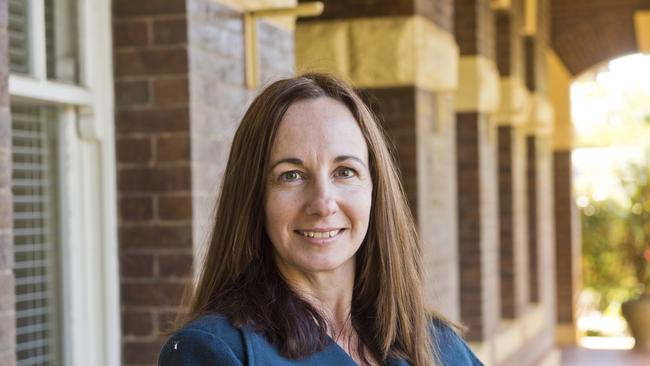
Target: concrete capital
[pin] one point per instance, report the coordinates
(542, 115)
(515, 104)
(478, 85)
(380, 52)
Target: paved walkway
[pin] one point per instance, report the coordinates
(591, 357)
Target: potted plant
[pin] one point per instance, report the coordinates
(635, 249)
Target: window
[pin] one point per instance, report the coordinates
(60, 85)
(36, 236)
(48, 48)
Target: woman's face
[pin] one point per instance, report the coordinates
(319, 190)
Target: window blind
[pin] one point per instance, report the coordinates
(19, 57)
(50, 37)
(36, 244)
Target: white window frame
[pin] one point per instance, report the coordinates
(88, 195)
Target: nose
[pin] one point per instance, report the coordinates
(321, 200)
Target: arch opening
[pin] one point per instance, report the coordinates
(610, 112)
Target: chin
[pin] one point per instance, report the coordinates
(321, 264)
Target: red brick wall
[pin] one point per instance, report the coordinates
(587, 32)
(536, 73)
(546, 223)
(567, 250)
(153, 162)
(474, 27)
(477, 225)
(504, 41)
(180, 93)
(533, 216)
(530, 52)
(7, 292)
(513, 223)
(396, 107)
(509, 42)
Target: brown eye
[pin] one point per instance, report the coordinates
(290, 176)
(346, 172)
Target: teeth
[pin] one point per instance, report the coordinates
(319, 235)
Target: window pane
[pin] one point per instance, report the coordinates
(61, 40)
(36, 238)
(19, 57)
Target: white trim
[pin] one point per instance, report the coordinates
(98, 339)
(71, 218)
(37, 47)
(96, 63)
(48, 91)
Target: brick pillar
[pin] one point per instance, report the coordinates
(7, 290)
(535, 79)
(513, 216)
(154, 169)
(512, 221)
(180, 93)
(478, 221)
(403, 57)
(531, 188)
(567, 221)
(536, 42)
(538, 153)
(533, 215)
(567, 249)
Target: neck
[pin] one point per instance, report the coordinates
(329, 292)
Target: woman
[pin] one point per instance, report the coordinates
(314, 256)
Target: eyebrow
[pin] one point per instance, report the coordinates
(296, 161)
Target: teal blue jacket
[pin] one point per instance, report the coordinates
(212, 340)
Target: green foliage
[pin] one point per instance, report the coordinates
(616, 241)
(636, 239)
(604, 267)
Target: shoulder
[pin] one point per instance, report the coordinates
(450, 347)
(204, 341)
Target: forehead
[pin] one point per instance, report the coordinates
(321, 126)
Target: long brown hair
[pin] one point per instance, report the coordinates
(239, 278)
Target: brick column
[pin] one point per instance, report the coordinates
(154, 169)
(512, 115)
(536, 42)
(478, 221)
(532, 192)
(403, 57)
(539, 186)
(180, 92)
(7, 289)
(567, 220)
(536, 85)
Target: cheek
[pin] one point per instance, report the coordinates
(359, 205)
(278, 209)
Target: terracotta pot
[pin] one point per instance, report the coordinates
(637, 314)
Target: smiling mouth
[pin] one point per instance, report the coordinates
(319, 234)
